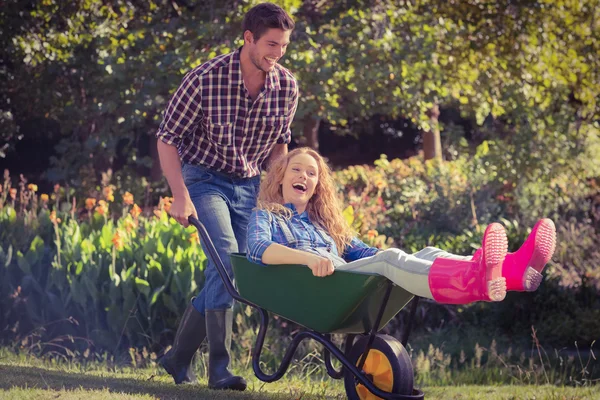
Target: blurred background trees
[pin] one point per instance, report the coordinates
(85, 82)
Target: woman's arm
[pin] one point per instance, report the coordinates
(357, 249)
(259, 235)
(263, 249)
(279, 254)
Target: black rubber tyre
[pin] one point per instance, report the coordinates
(388, 366)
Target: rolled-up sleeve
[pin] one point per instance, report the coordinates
(260, 235)
(357, 249)
(184, 112)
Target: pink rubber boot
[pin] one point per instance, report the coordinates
(480, 279)
(522, 269)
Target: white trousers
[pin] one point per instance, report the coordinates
(409, 271)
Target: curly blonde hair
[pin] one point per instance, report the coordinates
(324, 207)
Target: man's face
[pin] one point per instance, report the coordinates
(268, 49)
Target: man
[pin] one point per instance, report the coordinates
(229, 116)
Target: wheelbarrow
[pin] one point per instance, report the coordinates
(374, 365)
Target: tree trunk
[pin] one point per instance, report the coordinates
(432, 145)
(311, 132)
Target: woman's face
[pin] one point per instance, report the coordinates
(300, 180)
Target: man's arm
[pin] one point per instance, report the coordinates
(181, 116)
(182, 206)
(280, 149)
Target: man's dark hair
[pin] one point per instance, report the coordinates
(265, 16)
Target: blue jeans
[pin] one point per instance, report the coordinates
(223, 204)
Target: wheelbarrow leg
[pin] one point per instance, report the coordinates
(373, 333)
(411, 317)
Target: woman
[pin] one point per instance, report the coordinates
(299, 221)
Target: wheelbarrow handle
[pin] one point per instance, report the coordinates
(209, 247)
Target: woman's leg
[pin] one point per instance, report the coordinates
(405, 270)
(431, 253)
(450, 281)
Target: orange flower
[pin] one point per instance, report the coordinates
(108, 193)
(128, 198)
(117, 240)
(90, 203)
(44, 197)
(372, 234)
(53, 218)
(194, 238)
(32, 187)
(102, 207)
(380, 184)
(166, 203)
(13, 193)
(129, 225)
(135, 211)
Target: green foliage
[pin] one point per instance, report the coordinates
(101, 73)
(419, 203)
(116, 284)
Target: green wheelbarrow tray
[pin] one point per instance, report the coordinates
(344, 302)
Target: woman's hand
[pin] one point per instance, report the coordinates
(320, 266)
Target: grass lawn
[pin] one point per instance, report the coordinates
(25, 380)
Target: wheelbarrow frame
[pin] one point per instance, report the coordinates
(323, 338)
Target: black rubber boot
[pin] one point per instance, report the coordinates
(190, 334)
(218, 328)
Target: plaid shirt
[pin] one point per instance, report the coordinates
(213, 122)
(264, 229)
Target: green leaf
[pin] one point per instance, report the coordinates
(156, 293)
(79, 267)
(348, 214)
(11, 214)
(106, 236)
(129, 273)
(87, 250)
(36, 251)
(23, 263)
(143, 286)
(8, 257)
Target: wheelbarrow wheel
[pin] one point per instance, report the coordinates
(387, 365)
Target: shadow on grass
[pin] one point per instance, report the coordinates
(39, 378)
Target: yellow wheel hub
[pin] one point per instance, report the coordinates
(379, 367)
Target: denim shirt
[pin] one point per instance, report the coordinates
(266, 228)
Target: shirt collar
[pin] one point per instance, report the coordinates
(235, 73)
(303, 216)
